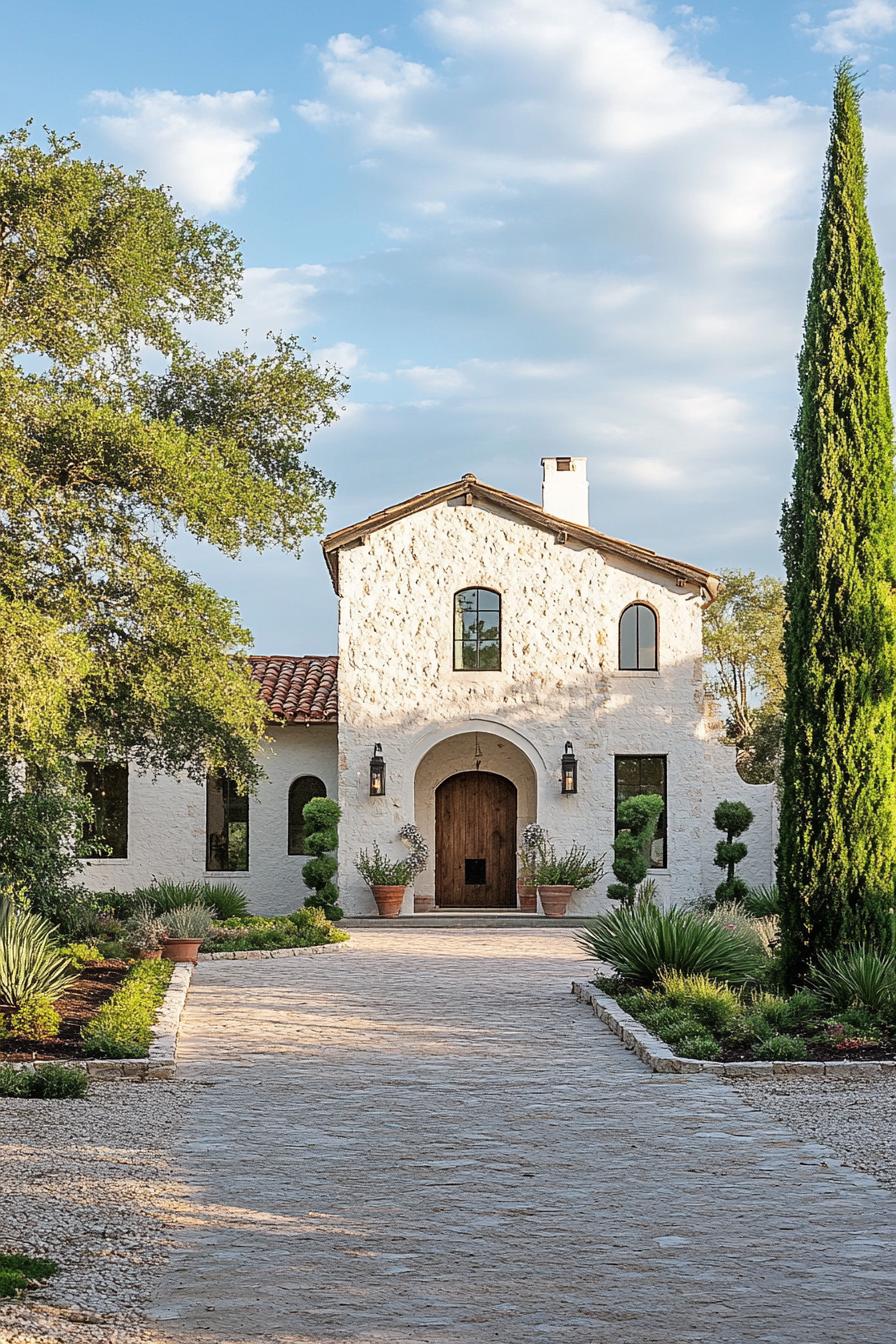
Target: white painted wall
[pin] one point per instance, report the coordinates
(559, 680)
(166, 825)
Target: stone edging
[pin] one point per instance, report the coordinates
(659, 1057)
(261, 954)
(161, 1061)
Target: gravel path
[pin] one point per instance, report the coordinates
(89, 1183)
(856, 1120)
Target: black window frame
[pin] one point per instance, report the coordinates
(639, 606)
(459, 643)
(662, 826)
(219, 851)
(100, 781)
(293, 825)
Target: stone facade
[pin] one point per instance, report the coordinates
(562, 595)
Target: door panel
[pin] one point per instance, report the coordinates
(476, 841)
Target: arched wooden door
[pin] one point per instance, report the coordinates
(476, 841)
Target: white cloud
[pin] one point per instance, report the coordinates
(852, 29)
(370, 87)
(344, 354)
(273, 299)
(201, 145)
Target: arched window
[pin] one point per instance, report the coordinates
(477, 630)
(301, 791)
(637, 639)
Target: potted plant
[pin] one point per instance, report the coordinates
(557, 876)
(145, 932)
(387, 879)
(186, 927)
(534, 841)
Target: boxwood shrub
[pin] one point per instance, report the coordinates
(122, 1029)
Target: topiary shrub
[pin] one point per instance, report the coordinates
(733, 818)
(637, 818)
(321, 818)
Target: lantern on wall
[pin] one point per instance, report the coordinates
(377, 772)
(569, 771)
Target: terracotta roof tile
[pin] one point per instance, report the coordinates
(298, 690)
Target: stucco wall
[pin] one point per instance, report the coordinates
(166, 825)
(558, 681)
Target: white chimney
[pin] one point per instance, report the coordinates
(564, 488)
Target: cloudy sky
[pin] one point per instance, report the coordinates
(522, 227)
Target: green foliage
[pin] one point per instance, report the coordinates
(713, 1005)
(574, 868)
(640, 942)
(857, 977)
(637, 818)
(19, 1272)
(50, 1082)
(699, 1046)
(733, 818)
(42, 812)
(189, 921)
(109, 648)
(144, 929)
(321, 817)
(378, 870)
(763, 932)
(781, 1047)
(36, 1019)
(762, 902)
(307, 927)
(225, 898)
(837, 849)
(742, 633)
(122, 1027)
(82, 954)
(31, 960)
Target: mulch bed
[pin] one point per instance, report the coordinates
(78, 1005)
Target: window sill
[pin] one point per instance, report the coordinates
(633, 672)
(107, 858)
(227, 872)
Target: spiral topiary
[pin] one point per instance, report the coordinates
(321, 818)
(733, 818)
(637, 818)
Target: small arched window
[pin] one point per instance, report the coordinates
(637, 639)
(477, 630)
(301, 791)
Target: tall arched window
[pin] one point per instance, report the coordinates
(637, 639)
(301, 791)
(477, 630)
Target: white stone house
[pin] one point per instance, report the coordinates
(479, 634)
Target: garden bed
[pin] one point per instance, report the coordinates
(78, 1005)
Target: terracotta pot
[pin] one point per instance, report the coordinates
(527, 898)
(149, 956)
(554, 900)
(388, 901)
(181, 949)
(423, 904)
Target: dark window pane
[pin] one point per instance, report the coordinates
(644, 774)
(628, 640)
(226, 826)
(470, 655)
(477, 630)
(489, 656)
(488, 601)
(301, 791)
(106, 836)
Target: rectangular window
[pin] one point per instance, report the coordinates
(644, 774)
(106, 835)
(226, 826)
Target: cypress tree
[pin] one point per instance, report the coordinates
(837, 850)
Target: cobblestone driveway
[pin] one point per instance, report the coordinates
(426, 1138)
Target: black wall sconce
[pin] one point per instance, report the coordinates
(377, 772)
(569, 771)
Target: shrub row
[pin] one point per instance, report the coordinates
(122, 1029)
(49, 1082)
(308, 927)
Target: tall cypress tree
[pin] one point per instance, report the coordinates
(837, 851)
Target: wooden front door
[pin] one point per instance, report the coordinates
(476, 841)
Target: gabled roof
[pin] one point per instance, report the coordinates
(298, 690)
(473, 491)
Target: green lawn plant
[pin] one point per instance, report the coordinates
(46, 1082)
(122, 1029)
(733, 818)
(837, 849)
(35, 1019)
(321, 817)
(636, 820)
(82, 954)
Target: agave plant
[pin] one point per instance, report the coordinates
(227, 901)
(641, 941)
(31, 960)
(857, 977)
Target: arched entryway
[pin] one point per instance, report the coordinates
(476, 824)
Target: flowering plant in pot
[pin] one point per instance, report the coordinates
(186, 927)
(557, 876)
(387, 879)
(534, 840)
(145, 932)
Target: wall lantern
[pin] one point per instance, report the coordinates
(569, 771)
(377, 772)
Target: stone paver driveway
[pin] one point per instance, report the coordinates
(425, 1138)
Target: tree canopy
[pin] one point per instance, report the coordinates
(116, 434)
(837, 852)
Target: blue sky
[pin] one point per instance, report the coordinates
(523, 227)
